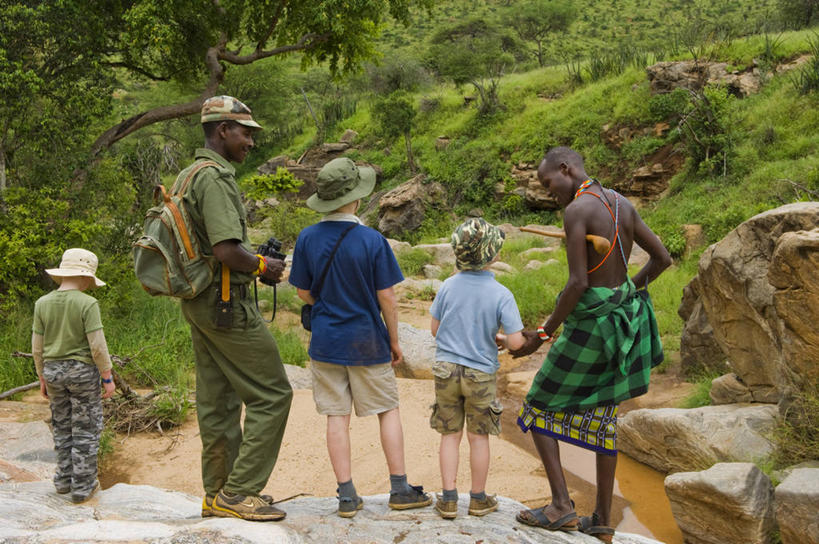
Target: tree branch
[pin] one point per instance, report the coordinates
(305, 42)
(273, 24)
(138, 70)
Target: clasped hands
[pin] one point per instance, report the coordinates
(533, 342)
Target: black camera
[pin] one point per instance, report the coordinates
(271, 248)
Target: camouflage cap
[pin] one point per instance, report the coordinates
(227, 108)
(476, 243)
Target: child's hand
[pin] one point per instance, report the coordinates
(109, 389)
(43, 388)
(500, 340)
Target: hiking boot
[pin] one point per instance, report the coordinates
(249, 507)
(77, 498)
(207, 506)
(447, 509)
(63, 489)
(414, 498)
(349, 507)
(483, 507)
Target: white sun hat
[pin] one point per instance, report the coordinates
(76, 262)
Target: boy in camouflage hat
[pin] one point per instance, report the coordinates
(70, 355)
(467, 312)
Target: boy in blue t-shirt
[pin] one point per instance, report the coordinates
(354, 321)
(467, 312)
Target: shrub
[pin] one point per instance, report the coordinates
(806, 80)
(412, 261)
(291, 348)
(796, 438)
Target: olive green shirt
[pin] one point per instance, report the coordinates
(64, 318)
(215, 206)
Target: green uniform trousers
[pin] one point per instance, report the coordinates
(237, 365)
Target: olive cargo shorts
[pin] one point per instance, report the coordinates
(235, 366)
(463, 392)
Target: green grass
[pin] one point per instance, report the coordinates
(412, 261)
(700, 395)
(15, 335)
(291, 348)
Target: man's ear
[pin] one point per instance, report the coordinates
(221, 130)
(565, 168)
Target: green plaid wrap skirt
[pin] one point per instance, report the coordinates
(609, 344)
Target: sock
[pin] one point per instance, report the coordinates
(450, 495)
(398, 484)
(478, 496)
(347, 489)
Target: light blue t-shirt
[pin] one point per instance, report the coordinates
(472, 307)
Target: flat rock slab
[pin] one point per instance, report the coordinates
(34, 513)
(797, 507)
(26, 448)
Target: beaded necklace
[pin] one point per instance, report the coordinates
(583, 187)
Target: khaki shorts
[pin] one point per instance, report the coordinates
(463, 392)
(370, 389)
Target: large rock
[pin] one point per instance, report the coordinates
(676, 439)
(26, 451)
(700, 353)
(729, 389)
(730, 503)
(664, 77)
(760, 293)
(797, 507)
(442, 254)
(34, 514)
(793, 274)
(535, 195)
(404, 208)
(418, 346)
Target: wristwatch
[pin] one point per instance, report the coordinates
(109, 380)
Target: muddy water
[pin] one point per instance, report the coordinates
(640, 504)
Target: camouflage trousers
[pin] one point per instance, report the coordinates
(464, 393)
(76, 423)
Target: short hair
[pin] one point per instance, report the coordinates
(557, 155)
(210, 127)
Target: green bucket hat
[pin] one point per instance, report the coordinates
(340, 182)
(227, 108)
(476, 243)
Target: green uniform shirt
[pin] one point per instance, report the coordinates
(63, 318)
(216, 208)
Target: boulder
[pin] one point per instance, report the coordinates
(404, 208)
(271, 165)
(418, 346)
(348, 137)
(664, 77)
(762, 303)
(417, 285)
(538, 198)
(33, 514)
(432, 271)
(700, 353)
(676, 439)
(730, 503)
(729, 389)
(534, 265)
(502, 268)
(792, 274)
(539, 251)
(442, 254)
(398, 246)
(639, 256)
(797, 507)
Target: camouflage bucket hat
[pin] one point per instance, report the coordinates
(476, 243)
(340, 182)
(227, 108)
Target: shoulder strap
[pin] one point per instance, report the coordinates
(179, 189)
(320, 283)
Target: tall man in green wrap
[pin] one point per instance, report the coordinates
(237, 360)
(608, 346)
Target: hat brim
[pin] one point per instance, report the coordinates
(251, 123)
(366, 184)
(57, 274)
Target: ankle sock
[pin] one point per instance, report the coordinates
(450, 495)
(347, 489)
(478, 496)
(398, 484)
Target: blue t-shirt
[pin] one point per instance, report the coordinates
(346, 319)
(472, 307)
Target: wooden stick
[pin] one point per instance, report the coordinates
(601, 245)
(10, 392)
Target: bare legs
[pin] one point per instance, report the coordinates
(549, 451)
(478, 459)
(392, 442)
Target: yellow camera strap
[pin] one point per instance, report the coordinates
(225, 283)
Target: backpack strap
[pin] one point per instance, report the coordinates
(183, 187)
(329, 261)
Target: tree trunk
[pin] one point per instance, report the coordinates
(540, 53)
(410, 159)
(2, 179)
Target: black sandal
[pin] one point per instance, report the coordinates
(591, 526)
(536, 518)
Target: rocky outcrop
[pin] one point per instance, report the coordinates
(33, 514)
(760, 293)
(676, 439)
(700, 353)
(26, 451)
(797, 507)
(404, 208)
(730, 503)
(418, 346)
(729, 389)
(307, 167)
(664, 77)
(442, 254)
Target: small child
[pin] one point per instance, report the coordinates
(67, 342)
(467, 312)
